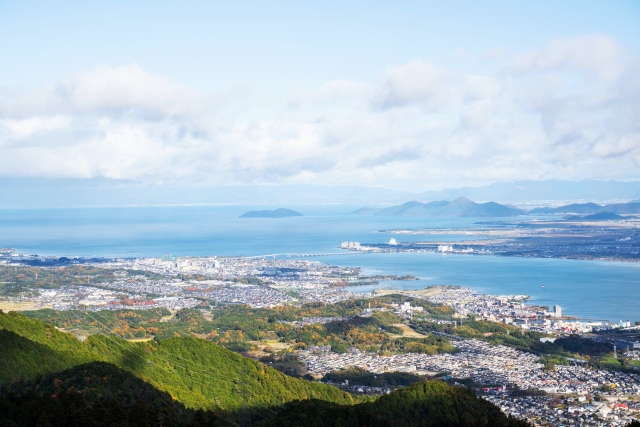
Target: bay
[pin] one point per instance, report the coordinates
(589, 289)
(595, 290)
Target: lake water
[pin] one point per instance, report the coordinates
(593, 289)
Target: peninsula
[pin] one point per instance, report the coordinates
(276, 213)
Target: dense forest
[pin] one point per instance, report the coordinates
(363, 377)
(424, 404)
(69, 409)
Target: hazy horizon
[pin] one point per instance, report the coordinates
(69, 193)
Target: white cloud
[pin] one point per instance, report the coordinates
(23, 128)
(595, 54)
(566, 110)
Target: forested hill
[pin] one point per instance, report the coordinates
(424, 404)
(196, 372)
(89, 395)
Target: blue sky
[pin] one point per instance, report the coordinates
(395, 94)
(283, 45)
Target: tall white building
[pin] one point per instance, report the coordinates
(557, 311)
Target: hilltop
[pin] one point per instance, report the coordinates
(276, 213)
(458, 208)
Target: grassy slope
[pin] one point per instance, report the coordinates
(195, 372)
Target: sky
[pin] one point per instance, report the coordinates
(402, 95)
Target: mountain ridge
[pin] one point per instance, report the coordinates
(460, 207)
(94, 192)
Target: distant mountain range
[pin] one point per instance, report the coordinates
(542, 191)
(39, 192)
(465, 207)
(459, 207)
(591, 208)
(276, 213)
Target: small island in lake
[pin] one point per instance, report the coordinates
(276, 213)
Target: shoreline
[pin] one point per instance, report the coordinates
(389, 273)
(440, 293)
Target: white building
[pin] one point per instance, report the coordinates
(557, 311)
(406, 308)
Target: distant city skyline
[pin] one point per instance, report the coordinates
(408, 96)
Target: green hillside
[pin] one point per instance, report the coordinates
(196, 372)
(424, 404)
(100, 382)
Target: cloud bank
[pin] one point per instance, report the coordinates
(567, 110)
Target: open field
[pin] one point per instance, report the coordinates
(170, 317)
(407, 332)
(275, 345)
(20, 306)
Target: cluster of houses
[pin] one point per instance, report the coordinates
(578, 411)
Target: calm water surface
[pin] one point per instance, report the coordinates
(594, 289)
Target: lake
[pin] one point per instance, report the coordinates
(590, 289)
